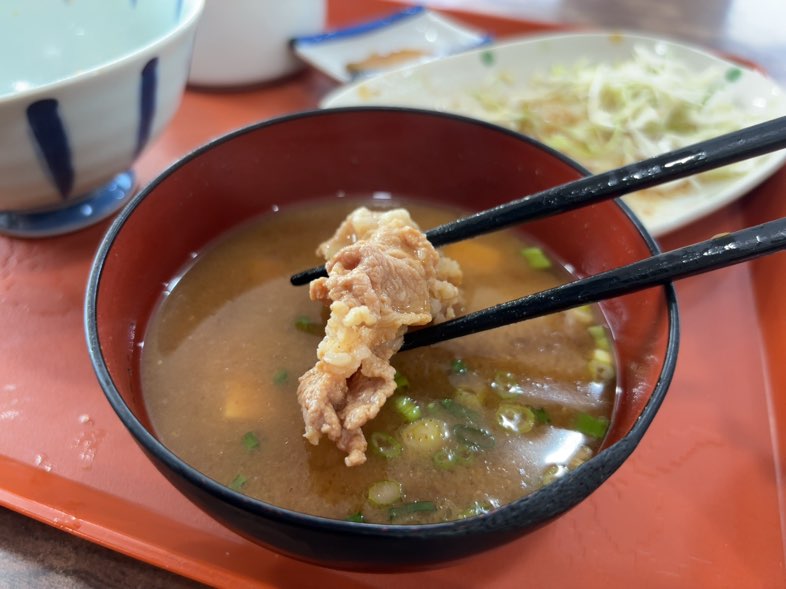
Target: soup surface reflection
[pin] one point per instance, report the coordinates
(475, 423)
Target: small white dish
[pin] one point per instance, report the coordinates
(453, 83)
(412, 35)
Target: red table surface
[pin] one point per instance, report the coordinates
(700, 502)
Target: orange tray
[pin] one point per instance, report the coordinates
(700, 502)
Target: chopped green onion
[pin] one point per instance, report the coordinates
(458, 410)
(477, 508)
(517, 419)
(411, 508)
(536, 259)
(594, 427)
(250, 441)
(425, 435)
(464, 455)
(473, 438)
(583, 314)
(541, 415)
(600, 371)
(470, 399)
(384, 493)
(458, 366)
(733, 74)
(469, 380)
(385, 445)
(407, 407)
(598, 333)
(552, 473)
(487, 58)
(600, 366)
(507, 386)
(450, 458)
(445, 459)
(356, 517)
(306, 325)
(601, 356)
(238, 482)
(280, 376)
(581, 456)
(402, 382)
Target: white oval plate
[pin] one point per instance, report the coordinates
(447, 85)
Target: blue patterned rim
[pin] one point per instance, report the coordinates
(87, 210)
(361, 29)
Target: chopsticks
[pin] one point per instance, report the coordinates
(718, 252)
(674, 165)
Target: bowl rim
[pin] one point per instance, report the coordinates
(549, 501)
(189, 19)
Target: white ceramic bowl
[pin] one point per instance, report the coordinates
(241, 42)
(85, 86)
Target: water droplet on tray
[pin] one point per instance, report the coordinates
(9, 414)
(87, 445)
(42, 462)
(67, 522)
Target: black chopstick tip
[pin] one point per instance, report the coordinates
(307, 276)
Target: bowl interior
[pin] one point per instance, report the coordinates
(52, 40)
(360, 151)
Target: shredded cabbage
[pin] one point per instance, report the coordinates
(605, 115)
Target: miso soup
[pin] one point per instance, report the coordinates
(475, 422)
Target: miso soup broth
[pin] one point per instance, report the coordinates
(475, 423)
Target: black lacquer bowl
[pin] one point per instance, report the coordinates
(434, 156)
